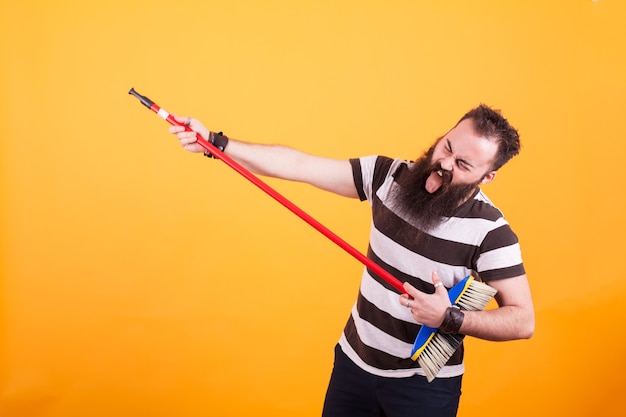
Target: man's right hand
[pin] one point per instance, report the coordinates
(186, 138)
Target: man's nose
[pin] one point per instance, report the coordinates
(447, 164)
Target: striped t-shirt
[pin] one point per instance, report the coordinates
(477, 240)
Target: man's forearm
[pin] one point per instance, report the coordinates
(286, 163)
(500, 324)
(269, 160)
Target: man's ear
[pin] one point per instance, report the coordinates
(488, 177)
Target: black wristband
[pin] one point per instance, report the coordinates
(452, 321)
(219, 141)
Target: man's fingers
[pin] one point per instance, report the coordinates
(437, 281)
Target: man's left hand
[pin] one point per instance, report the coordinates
(427, 309)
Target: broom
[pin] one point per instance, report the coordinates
(432, 349)
(426, 351)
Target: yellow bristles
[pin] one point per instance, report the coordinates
(441, 347)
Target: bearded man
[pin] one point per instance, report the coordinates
(432, 226)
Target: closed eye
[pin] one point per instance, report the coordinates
(462, 163)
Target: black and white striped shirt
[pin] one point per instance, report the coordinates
(477, 240)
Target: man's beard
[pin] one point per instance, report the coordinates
(425, 209)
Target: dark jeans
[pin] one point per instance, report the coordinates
(352, 392)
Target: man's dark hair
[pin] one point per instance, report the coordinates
(492, 125)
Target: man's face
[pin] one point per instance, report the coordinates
(466, 156)
(446, 176)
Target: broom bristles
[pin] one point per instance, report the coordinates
(438, 352)
(441, 347)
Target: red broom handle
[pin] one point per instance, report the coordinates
(274, 194)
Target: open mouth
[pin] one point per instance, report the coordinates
(436, 179)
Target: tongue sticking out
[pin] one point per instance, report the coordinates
(434, 181)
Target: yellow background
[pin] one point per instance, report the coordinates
(141, 280)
